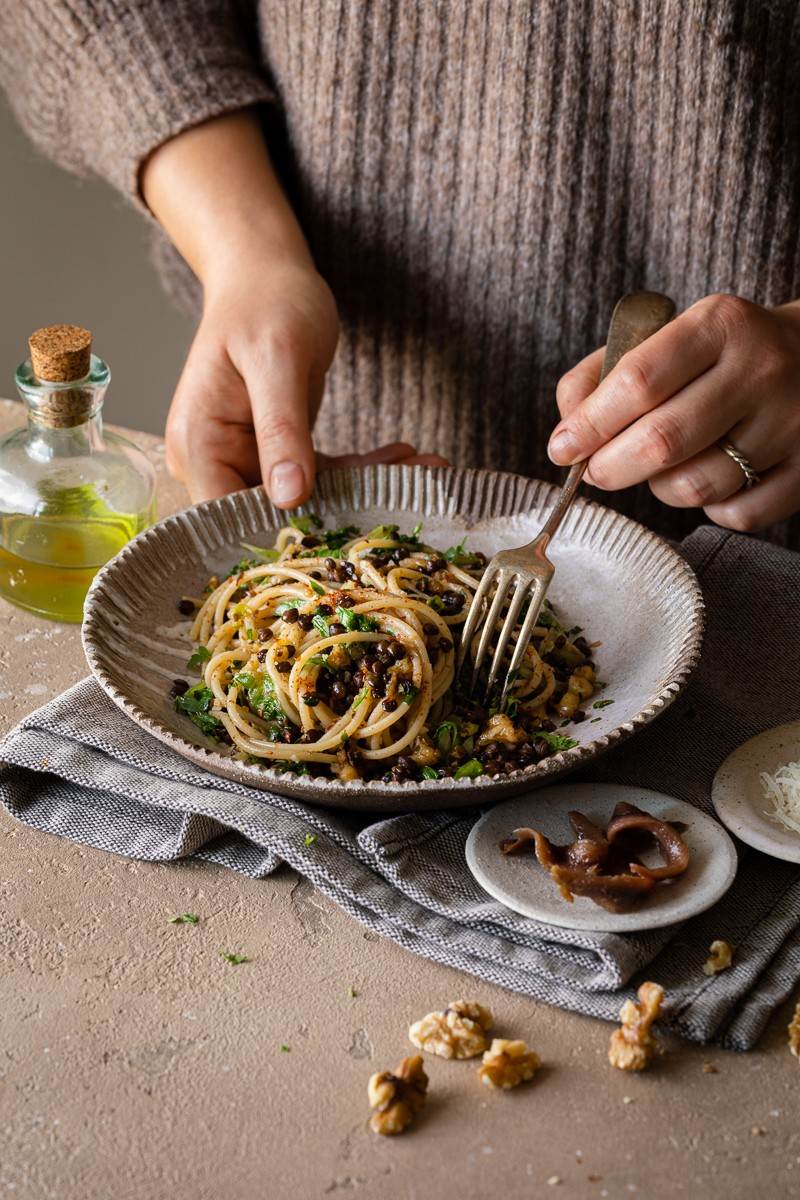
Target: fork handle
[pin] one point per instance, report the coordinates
(635, 317)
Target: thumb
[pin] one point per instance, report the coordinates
(279, 396)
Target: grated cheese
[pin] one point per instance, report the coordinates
(783, 789)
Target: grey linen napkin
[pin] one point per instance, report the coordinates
(79, 768)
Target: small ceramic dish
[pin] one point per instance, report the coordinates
(738, 795)
(519, 882)
(630, 591)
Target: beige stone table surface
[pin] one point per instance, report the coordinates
(136, 1063)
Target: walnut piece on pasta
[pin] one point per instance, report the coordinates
(458, 1032)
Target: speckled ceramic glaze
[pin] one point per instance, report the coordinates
(738, 794)
(622, 583)
(522, 885)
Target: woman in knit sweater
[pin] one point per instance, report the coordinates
(473, 184)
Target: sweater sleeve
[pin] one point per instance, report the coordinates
(99, 84)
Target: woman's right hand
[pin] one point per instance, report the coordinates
(246, 402)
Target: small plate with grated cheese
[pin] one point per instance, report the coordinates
(756, 792)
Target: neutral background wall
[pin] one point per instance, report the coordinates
(72, 251)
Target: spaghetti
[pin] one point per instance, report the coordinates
(334, 652)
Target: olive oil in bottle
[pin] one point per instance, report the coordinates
(71, 495)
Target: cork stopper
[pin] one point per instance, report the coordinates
(61, 353)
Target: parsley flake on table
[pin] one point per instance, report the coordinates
(352, 993)
(234, 959)
(309, 839)
(185, 919)
(284, 1048)
(602, 703)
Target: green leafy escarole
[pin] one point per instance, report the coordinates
(195, 704)
(260, 693)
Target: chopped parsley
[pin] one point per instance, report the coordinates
(244, 564)
(199, 656)
(362, 695)
(446, 735)
(409, 692)
(352, 993)
(185, 919)
(285, 605)
(356, 622)
(291, 767)
(260, 694)
(386, 533)
(460, 557)
(264, 553)
(429, 773)
(309, 839)
(602, 703)
(320, 624)
(285, 1049)
(318, 660)
(471, 769)
(334, 540)
(234, 959)
(555, 740)
(306, 522)
(195, 704)
(435, 602)
(316, 587)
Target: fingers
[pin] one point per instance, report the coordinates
(392, 453)
(395, 452)
(210, 480)
(642, 380)
(425, 460)
(776, 497)
(672, 433)
(277, 378)
(579, 382)
(712, 475)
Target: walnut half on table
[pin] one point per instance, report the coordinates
(458, 1032)
(508, 1063)
(632, 1046)
(397, 1096)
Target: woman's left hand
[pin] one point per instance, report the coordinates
(725, 368)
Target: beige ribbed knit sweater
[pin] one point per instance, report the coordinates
(480, 179)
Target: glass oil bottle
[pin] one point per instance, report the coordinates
(71, 494)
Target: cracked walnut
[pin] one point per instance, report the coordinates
(397, 1096)
(458, 1032)
(633, 1045)
(508, 1063)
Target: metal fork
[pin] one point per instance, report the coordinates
(635, 318)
